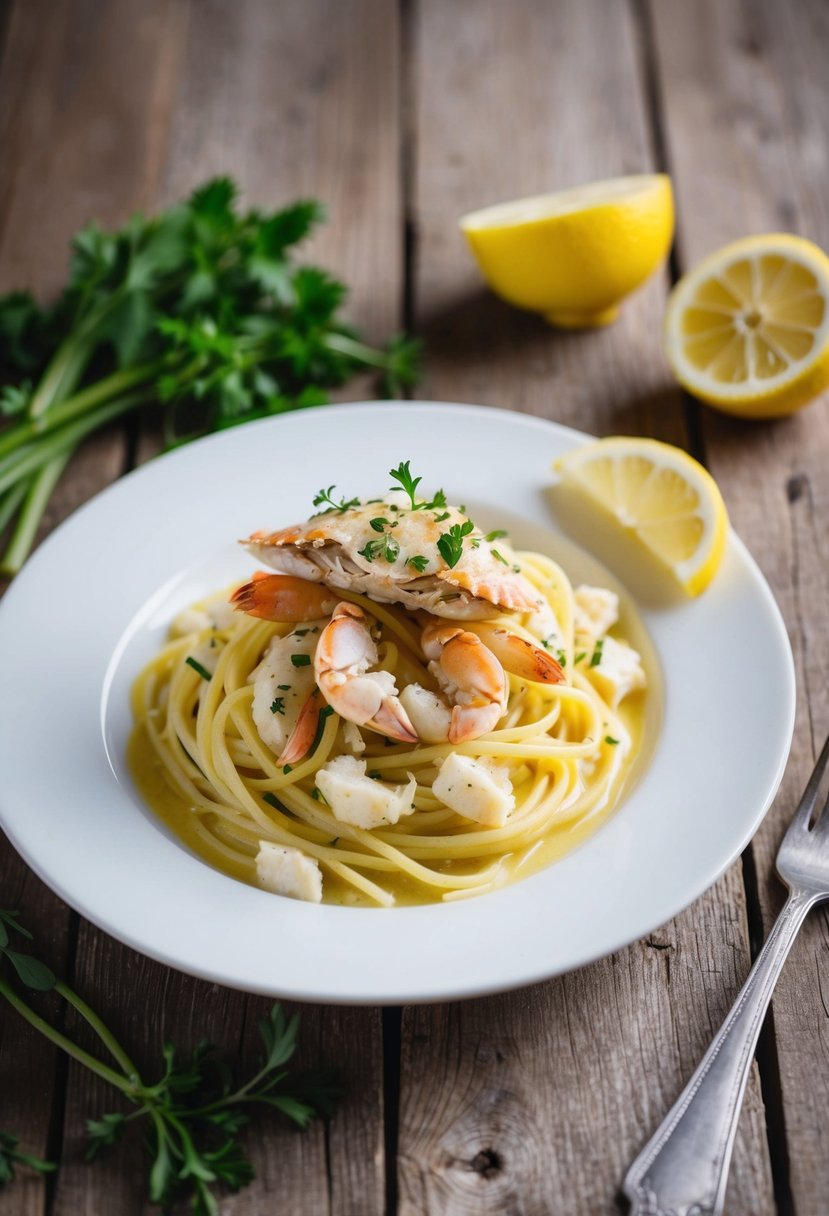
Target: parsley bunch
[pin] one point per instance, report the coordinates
(192, 1114)
(200, 310)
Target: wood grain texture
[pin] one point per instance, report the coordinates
(746, 100)
(501, 110)
(157, 98)
(535, 1102)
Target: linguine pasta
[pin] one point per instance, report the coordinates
(200, 763)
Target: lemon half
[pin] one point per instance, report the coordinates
(573, 256)
(662, 495)
(747, 330)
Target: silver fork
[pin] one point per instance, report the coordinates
(683, 1169)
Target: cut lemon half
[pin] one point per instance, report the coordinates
(659, 493)
(573, 256)
(747, 330)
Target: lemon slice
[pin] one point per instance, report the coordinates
(747, 330)
(661, 494)
(574, 255)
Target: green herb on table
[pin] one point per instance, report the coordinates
(200, 311)
(192, 1114)
(11, 1156)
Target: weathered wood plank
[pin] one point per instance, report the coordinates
(535, 1101)
(282, 100)
(746, 100)
(44, 108)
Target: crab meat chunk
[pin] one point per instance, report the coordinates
(281, 687)
(475, 789)
(359, 800)
(597, 610)
(618, 671)
(429, 715)
(353, 738)
(287, 871)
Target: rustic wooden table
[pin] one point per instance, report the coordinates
(401, 116)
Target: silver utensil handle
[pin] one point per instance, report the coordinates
(683, 1169)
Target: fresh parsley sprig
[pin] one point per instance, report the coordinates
(402, 475)
(323, 498)
(11, 1155)
(450, 544)
(200, 311)
(193, 1113)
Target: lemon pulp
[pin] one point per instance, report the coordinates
(662, 495)
(748, 329)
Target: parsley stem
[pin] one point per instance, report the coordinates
(77, 1053)
(37, 499)
(103, 1032)
(29, 458)
(12, 500)
(353, 349)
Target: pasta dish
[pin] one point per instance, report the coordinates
(402, 710)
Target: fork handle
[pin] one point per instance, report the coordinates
(683, 1169)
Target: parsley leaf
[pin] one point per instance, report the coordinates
(196, 665)
(301, 660)
(419, 562)
(596, 657)
(496, 535)
(323, 499)
(278, 705)
(386, 547)
(450, 544)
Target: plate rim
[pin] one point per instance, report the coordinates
(461, 990)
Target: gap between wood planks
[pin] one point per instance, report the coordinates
(766, 1053)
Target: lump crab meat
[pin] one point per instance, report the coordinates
(390, 551)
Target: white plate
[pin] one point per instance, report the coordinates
(95, 600)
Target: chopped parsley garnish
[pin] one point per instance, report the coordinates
(500, 557)
(273, 801)
(323, 499)
(301, 660)
(325, 713)
(385, 546)
(516, 569)
(284, 687)
(419, 563)
(496, 535)
(278, 705)
(409, 484)
(581, 655)
(318, 796)
(375, 775)
(440, 518)
(610, 739)
(596, 657)
(561, 655)
(379, 523)
(196, 665)
(450, 544)
(287, 768)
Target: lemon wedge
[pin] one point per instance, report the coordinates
(747, 330)
(662, 495)
(573, 256)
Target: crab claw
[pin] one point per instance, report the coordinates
(282, 597)
(345, 652)
(524, 660)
